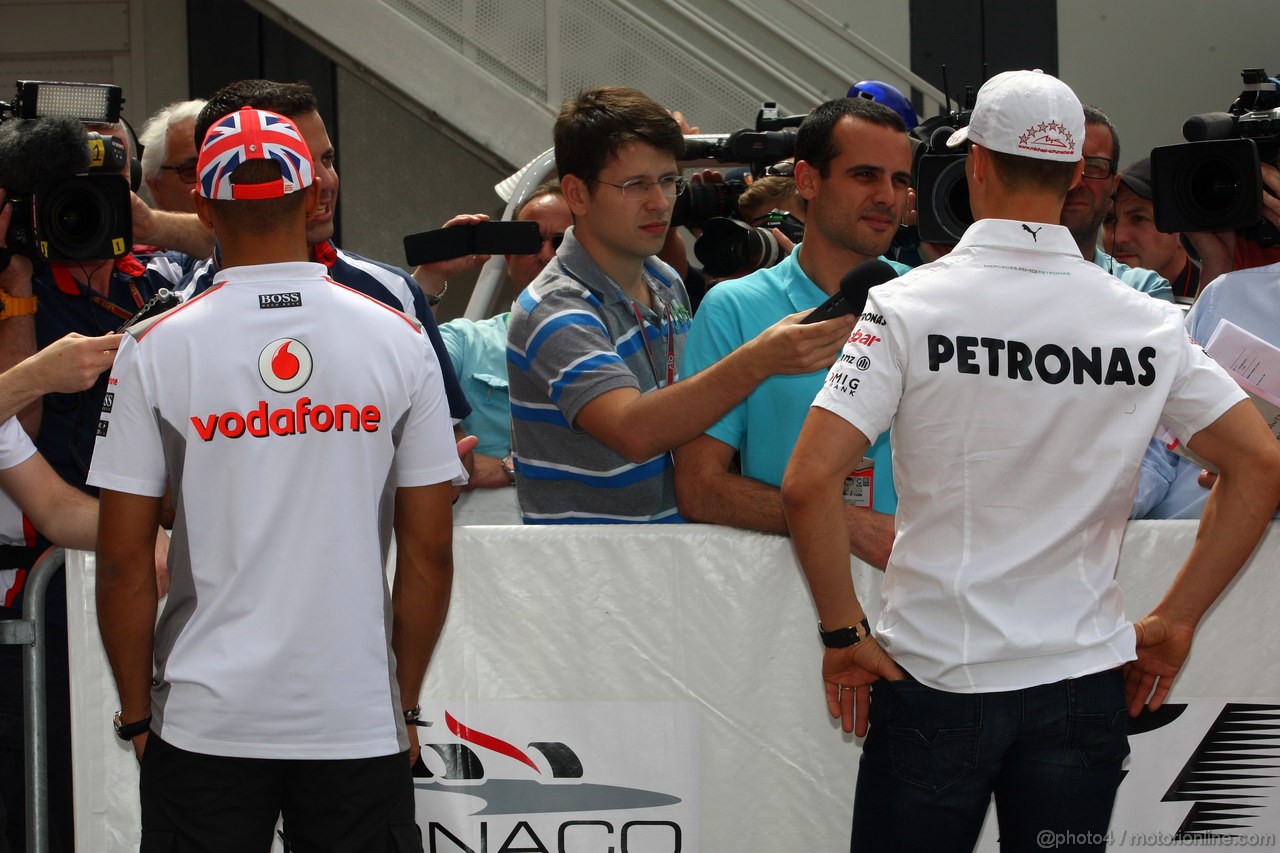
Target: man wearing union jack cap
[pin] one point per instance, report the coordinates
(252, 135)
(386, 283)
(296, 423)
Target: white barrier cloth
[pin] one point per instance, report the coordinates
(679, 667)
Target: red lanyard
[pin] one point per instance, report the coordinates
(108, 305)
(671, 343)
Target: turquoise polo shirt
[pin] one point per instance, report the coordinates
(764, 427)
(478, 350)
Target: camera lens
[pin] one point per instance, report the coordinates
(951, 200)
(729, 247)
(1214, 187)
(76, 216)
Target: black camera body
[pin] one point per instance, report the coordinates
(70, 196)
(1213, 181)
(942, 191)
(772, 139)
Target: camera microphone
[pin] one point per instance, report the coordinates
(33, 151)
(1209, 126)
(852, 295)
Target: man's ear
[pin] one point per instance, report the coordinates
(576, 193)
(203, 208)
(807, 179)
(311, 201)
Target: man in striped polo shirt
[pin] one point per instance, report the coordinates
(593, 345)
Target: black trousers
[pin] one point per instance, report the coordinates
(195, 802)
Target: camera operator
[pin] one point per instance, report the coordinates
(1089, 200)
(478, 349)
(41, 302)
(1129, 234)
(853, 171)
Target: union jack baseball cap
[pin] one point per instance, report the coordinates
(1027, 114)
(250, 134)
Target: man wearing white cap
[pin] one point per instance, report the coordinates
(295, 422)
(1022, 383)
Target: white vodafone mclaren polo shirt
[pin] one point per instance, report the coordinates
(1023, 384)
(282, 410)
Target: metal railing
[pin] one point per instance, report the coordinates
(29, 632)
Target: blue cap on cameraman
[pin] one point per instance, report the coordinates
(883, 93)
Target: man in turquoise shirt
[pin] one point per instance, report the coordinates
(853, 170)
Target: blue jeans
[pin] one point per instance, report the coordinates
(932, 760)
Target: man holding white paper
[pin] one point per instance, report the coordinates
(1250, 299)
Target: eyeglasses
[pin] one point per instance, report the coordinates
(1099, 168)
(639, 189)
(186, 171)
(555, 240)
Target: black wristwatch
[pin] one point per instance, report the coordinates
(129, 731)
(843, 638)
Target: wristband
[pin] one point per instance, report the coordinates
(16, 306)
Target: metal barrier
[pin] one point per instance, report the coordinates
(29, 631)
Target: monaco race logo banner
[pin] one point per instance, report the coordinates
(1202, 775)
(570, 777)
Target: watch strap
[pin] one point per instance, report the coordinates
(129, 731)
(16, 306)
(843, 638)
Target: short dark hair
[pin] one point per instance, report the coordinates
(264, 215)
(594, 125)
(1032, 173)
(1093, 115)
(816, 138)
(288, 99)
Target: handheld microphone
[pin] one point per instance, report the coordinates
(852, 295)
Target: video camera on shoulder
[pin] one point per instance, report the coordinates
(942, 193)
(1213, 182)
(68, 186)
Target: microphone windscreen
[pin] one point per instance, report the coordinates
(33, 151)
(1209, 126)
(862, 278)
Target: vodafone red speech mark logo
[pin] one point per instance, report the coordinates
(285, 365)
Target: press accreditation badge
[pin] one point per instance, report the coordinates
(859, 484)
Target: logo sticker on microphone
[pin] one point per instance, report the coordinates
(285, 365)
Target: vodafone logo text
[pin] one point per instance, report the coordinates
(261, 422)
(285, 365)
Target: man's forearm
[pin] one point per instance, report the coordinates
(17, 392)
(712, 496)
(179, 232)
(1235, 517)
(420, 603)
(126, 594)
(669, 417)
(18, 339)
(423, 581)
(126, 620)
